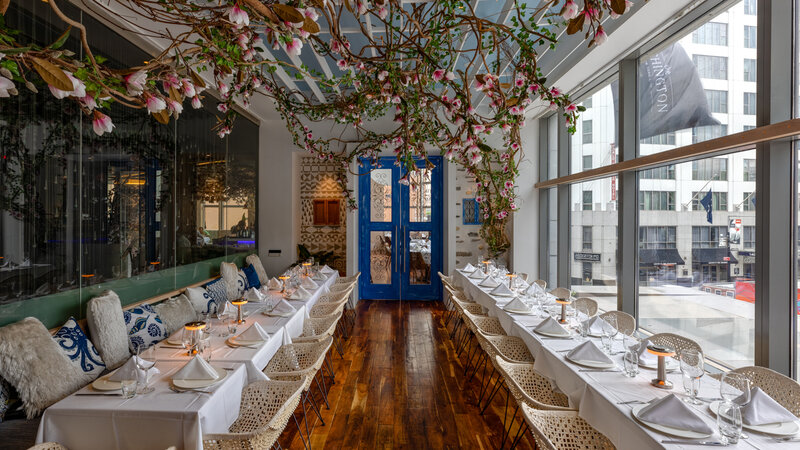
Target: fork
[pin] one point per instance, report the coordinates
(181, 391)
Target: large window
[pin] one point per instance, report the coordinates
(749, 69)
(657, 200)
(749, 169)
(750, 7)
(700, 134)
(653, 237)
(717, 100)
(749, 36)
(749, 103)
(712, 33)
(587, 131)
(658, 173)
(714, 67)
(587, 201)
(719, 201)
(85, 210)
(587, 162)
(710, 169)
(709, 236)
(587, 238)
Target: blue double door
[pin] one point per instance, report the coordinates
(400, 232)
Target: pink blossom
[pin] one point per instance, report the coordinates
(222, 88)
(78, 88)
(134, 82)
(243, 39)
(335, 46)
(477, 128)
(571, 108)
(196, 103)
(238, 17)
(174, 107)
(188, 88)
(342, 64)
(555, 91)
(396, 99)
(515, 146)
(89, 102)
(553, 106)
(101, 123)
(478, 198)
(438, 74)
(509, 184)
(513, 206)
(502, 214)
(294, 48)
(256, 82)
(450, 76)
(382, 75)
(404, 180)
(303, 33)
(362, 8)
(570, 10)
(532, 89)
(258, 42)
(224, 131)
(155, 104)
(383, 12)
(311, 13)
(5, 86)
(519, 82)
(475, 158)
(600, 36)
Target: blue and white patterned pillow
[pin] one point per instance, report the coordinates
(144, 327)
(252, 277)
(217, 290)
(242, 285)
(79, 349)
(201, 300)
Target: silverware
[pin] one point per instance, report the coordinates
(630, 402)
(108, 394)
(684, 442)
(599, 370)
(181, 390)
(709, 399)
(787, 439)
(172, 346)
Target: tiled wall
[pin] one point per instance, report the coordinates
(318, 181)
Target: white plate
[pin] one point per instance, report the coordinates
(544, 333)
(665, 429)
(241, 343)
(592, 364)
(275, 314)
(520, 311)
(776, 429)
(672, 365)
(503, 295)
(199, 384)
(104, 384)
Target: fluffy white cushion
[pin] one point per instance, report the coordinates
(230, 276)
(201, 301)
(32, 362)
(175, 313)
(255, 261)
(107, 329)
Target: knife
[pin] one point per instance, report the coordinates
(99, 393)
(710, 443)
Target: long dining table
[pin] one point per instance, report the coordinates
(164, 418)
(596, 395)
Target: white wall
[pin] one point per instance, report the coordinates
(525, 221)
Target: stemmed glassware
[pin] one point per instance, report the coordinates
(582, 319)
(145, 360)
(734, 388)
(692, 368)
(609, 327)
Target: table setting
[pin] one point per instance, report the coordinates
(609, 378)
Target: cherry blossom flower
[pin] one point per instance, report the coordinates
(238, 17)
(89, 102)
(101, 123)
(134, 83)
(438, 74)
(570, 10)
(155, 104)
(6, 85)
(555, 92)
(382, 75)
(243, 39)
(383, 12)
(311, 13)
(363, 7)
(78, 89)
(342, 64)
(224, 131)
(222, 88)
(188, 87)
(571, 108)
(600, 36)
(294, 48)
(553, 106)
(450, 76)
(509, 184)
(174, 107)
(196, 103)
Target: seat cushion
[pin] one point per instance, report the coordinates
(201, 300)
(229, 274)
(217, 291)
(32, 362)
(252, 277)
(255, 261)
(79, 349)
(175, 312)
(107, 329)
(144, 327)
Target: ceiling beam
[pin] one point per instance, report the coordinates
(312, 83)
(326, 68)
(281, 73)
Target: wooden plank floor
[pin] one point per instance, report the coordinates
(401, 385)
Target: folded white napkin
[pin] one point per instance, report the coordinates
(672, 412)
(286, 338)
(308, 283)
(596, 325)
(502, 290)
(254, 295)
(516, 305)
(645, 357)
(489, 281)
(469, 268)
(590, 352)
(274, 284)
(326, 269)
(227, 310)
(478, 274)
(129, 371)
(196, 369)
(763, 409)
(253, 333)
(283, 307)
(550, 326)
(533, 289)
(300, 294)
(318, 277)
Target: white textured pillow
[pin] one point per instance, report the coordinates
(230, 276)
(107, 329)
(32, 362)
(255, 261)
(175, 312)
(201, 301)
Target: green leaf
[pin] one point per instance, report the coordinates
(61, 40)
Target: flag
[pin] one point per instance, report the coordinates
(753, 199)
(707, 203)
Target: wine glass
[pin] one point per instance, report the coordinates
(692, 368)
(609, 328)
(145, 360)
(735, 388)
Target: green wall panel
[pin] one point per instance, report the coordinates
(54, 309)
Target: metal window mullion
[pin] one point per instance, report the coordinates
(776, 190)
(562, 273)
(628, 202)
(544, 220)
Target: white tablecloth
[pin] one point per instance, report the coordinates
(595, 394)
(164, 418)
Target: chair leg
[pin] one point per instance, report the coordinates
(305, 417)
(497, 385)
(486, 382)
(507, 432)
(481, 359)
(470, 355)
(299, 430)
(323, 391)
(314, 406)
(520, 432)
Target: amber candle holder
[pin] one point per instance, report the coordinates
(563, 302)
(195, 328)
(661, 381)
(283, 279)
(511, 277)
(486, 265)
(306, 268)
(238, 303)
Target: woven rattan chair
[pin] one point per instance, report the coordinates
(510, 348)
(317, 328)
(523, 276)
(264, 412)
(345, 280)
(677, 343)
(563, 430)
(48, 446)
(561, 292)
(589, 303)
(327, 308)
(781, 388)
(542, 284)
(626, 324)
(346, 291)
(302, 360)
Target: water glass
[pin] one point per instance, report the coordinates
(128, 388)
(609, 327)
(692, 368)
(205, 348)
(232, 323)
(735, 388)
(729, 422)
(631, 363)
(145, 360)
